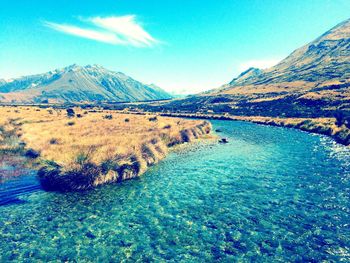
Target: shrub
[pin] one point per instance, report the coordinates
(32, 154)
(108, 117)
(77, 179)
(185, 136)
(85, 156)
(153, 118)
(70, 113)
(127, 120)
(70, 123)
(167, 126)
(109, 165)
(79, 116)
(82, 158)
(53, 141)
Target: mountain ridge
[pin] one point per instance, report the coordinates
(313, 81)
(76, 83)
(333, 45)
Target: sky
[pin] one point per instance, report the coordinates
(183, 46)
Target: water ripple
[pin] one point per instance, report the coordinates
(270, 194)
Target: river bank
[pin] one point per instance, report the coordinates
(76, 150)
(323, 126)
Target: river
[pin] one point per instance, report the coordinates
(270, 194)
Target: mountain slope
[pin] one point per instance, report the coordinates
(313, 81)
(75, 84)
(325, 58)
(246, 76)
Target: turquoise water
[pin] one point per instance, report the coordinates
(270, 194)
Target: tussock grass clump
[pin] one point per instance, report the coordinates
(9, 140)
(108, 117)
(31, 153)
(54, 141)
(153, 118)
(70, 113)
(95, 150)
(70, 123)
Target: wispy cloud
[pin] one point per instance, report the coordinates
(126, 28)
(122, 30)
(261, 64)
(101, 36)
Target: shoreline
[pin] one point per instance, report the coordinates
(322, 126)
(91, 176)
(88, 175)
(312, 125)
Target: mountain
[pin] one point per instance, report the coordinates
(246, 76)
(76, 84)
(315, 77)
(312, 81)
(326, 58)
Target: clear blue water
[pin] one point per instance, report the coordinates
(269, 195)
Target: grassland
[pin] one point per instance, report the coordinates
(92, 147)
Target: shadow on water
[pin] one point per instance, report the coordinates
(16, 181)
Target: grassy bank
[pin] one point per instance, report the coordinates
(80, 149)
(325, 126)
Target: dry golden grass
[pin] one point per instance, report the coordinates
(280, 88)
(98, 137)
(52, 135)
(326, 126)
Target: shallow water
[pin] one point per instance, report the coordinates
(270, 194)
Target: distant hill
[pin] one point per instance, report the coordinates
(76, 84)
(312, 81)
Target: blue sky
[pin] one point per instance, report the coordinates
(182, 46)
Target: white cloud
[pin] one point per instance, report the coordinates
(86, 33)
(126, 28)
(261, 64)
(122, 30)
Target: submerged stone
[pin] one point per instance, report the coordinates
(89, 234)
